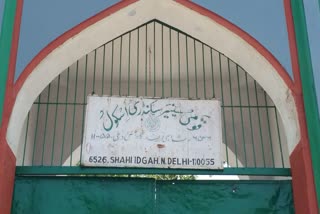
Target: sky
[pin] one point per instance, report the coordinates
(1, 12)
(48, 21)
(264, 20)
(266, 23)
(267, 27)
(313, 24)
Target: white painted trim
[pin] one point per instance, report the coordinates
(174, 14)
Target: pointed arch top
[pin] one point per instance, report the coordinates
(204, 25)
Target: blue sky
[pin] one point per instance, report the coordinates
(1, 12)
(313, 24)
(264, 20)
(44, 20)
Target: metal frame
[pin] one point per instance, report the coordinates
(57, 170)
(192, 48)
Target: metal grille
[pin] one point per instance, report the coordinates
(155, 60)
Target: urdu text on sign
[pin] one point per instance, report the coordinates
(152, 133)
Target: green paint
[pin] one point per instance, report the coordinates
(308, 88)
(79, 195)
(239, 197)
(5, 47)
(82, 195)
(76, 170)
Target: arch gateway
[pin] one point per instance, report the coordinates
(162, 50)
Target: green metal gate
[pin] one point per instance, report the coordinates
(154, 60)
(50, 195)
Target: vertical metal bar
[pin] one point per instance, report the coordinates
(94, 71)
(129, 63)
(162, 60)
(111, 78)
(74, 112)
(146, 65)
(171, 90)
(187, 64)
(138, 62)
(269, 129)
(179, 68)
(120, 62)
(223, 111)
(212, 76)
(279, 138)
(36, 130)
(45, 124)
(65, 117)
(84, 101)
(103, 68)
(232, 114)
(154, 59)
(259, 119)
(55, 121)
(204, 74)
(250, 120)
(25, 139)
(241, 115)
(195, 66)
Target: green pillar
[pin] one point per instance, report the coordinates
(308, 88)
(5, 46)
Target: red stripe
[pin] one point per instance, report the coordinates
(301, 164)
(7, 158)
(292, 44)
(7, 173)
(9, 95)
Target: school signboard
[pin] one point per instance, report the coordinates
(152, 133)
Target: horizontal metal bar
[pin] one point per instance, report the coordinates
(176, 182)
(55, 103)
(76, 170)
(223, 106)
(285, 181)
(240, 106)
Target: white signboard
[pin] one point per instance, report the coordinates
(152, 133)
